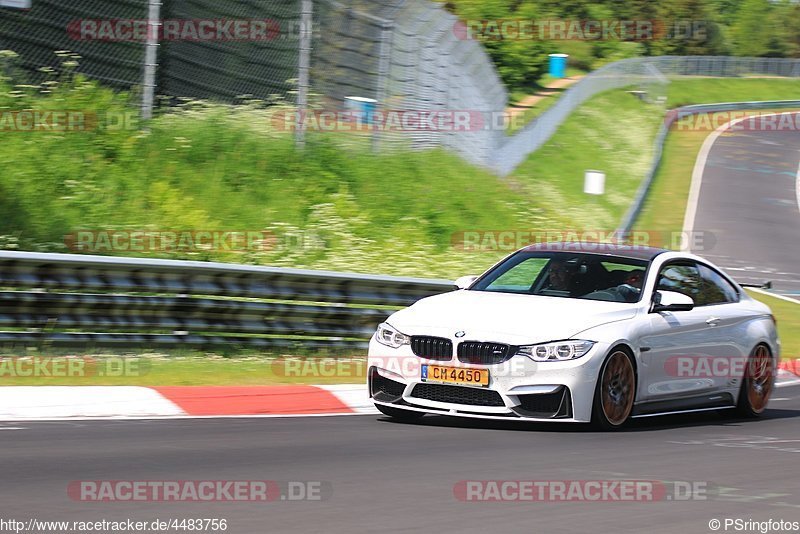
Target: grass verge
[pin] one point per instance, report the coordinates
(687, 90)
(217, 168)
(188, 371)
(593, 137)
(788, 316)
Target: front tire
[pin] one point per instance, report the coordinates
(757, 383)
(403, 416)
(615, 392)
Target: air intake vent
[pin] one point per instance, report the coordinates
(457, 395)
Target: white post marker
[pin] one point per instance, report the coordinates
(594, 182)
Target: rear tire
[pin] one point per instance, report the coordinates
(757, 383)
(615, 392)
(404, 416)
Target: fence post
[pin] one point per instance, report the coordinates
(304, 62)
(383, 75)
(151, 58)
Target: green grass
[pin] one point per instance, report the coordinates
(196, 371)
(213, 167)
(612, 132)
(788, 316)
(684, 91)
(522, 119)
(664, 209)
(223, 168)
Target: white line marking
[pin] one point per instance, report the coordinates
(175, 417)
(697, 181)
(788, 383)
(797, 187)
(699, 167)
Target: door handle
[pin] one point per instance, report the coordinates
(712, 321)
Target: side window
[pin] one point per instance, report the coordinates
(716, 290)
(684, 278)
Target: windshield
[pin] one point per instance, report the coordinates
(568, 275)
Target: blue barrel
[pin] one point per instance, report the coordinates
(558, 65)
(365, 106)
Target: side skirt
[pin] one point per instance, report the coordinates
(709, 401)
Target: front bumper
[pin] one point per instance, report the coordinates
(518, 388)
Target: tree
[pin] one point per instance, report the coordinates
(688, 29)
(753, 32)
(786, 16)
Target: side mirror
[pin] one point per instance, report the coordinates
(671, 301)
(464, 282)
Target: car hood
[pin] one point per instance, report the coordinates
(506, 317)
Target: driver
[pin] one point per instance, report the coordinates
(634, 278)
(560, 275)
(631, 285)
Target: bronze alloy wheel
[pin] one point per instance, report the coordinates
(759, 383)
(617, 388)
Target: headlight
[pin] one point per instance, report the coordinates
(386, 335)
(557, 350)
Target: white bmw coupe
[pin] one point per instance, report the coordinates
(578, 333)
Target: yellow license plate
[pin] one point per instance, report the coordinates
(455, 375)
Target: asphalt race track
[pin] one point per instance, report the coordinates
(390, 477)
(749, 200)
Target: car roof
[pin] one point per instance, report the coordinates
(638, 252)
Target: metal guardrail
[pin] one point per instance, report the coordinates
(96, 301)
(671, 117)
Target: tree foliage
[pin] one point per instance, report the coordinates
(762, 28)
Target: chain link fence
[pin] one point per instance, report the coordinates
(36, 34)
(394, 55)
(406, 56)
(226, 70)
